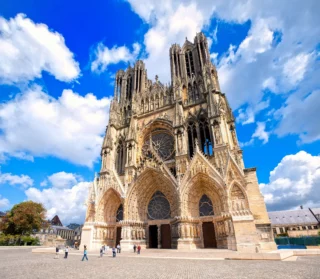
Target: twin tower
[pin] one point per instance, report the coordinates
(172, 173)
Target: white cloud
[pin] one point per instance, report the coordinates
(103, 56)
(70, 127)
(248, 116)
(295, 68)
(66, 201)
(27, 49)
(44, 183)
(271, 84)
(4, 203)
(295, 181)
(300, 115)
(261, 133)
(63, 179)
(11, 179)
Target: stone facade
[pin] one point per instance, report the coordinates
(172, 172)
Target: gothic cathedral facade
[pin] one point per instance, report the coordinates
(172, 173)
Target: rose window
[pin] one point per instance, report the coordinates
(205, 206)
(159, 207)
(162, 143)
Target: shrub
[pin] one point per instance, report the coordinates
(17, 240)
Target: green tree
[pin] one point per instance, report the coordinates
(23, 218)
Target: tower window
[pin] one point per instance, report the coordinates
(129, 88)
(192, 137)
(189, 63)
(120, 157)
(199, 131)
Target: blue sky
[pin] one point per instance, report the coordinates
(58, 61)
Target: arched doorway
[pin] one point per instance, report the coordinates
(202, 200)
(159, 210)
(110, 212)
(208, 231)
(152, 201)
(119, 217)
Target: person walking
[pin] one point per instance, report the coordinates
(134, 248)
(114, 252)
(101, 252)
(66, 251)
(139, 249)
(57, 253)
(85, 253)
(118, 248)
(104, 249)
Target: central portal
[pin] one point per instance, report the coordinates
(209, 236)
(153, 236)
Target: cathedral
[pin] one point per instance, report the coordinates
(172, 173)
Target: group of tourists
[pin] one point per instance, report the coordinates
(66, 252)
(115, 250)
(136, 248)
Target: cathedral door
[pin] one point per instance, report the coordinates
(209, 237)
(118, 235)
(153, 236)
(165, 236)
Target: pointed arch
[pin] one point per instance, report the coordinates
(198, 130)
(108, 206)
(142, 191)
(206, 142)
(195, 189)
(238, 198)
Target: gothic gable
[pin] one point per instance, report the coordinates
(233, 172)
(154, 162)
(199, 164)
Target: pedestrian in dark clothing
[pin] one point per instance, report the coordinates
(85, 253)
(134, 248)
(66, 251)
(139, 249)
(114, 254)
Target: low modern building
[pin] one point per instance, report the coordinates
(302, 222)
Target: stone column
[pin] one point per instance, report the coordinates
(201, 234)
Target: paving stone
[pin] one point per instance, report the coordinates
(21, 263)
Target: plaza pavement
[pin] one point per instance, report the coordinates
(21, 263)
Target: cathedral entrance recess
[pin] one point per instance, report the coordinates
(118, 235)
(165, 236)
(209, 237)
(153, 236)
